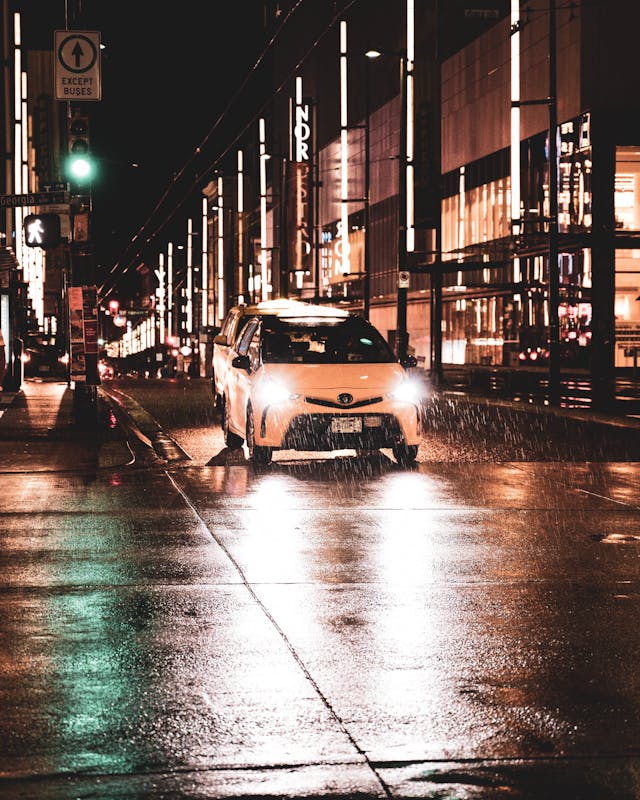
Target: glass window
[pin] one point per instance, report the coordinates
(247, 335)
(627, 187)
(343, 341)
(627, 306)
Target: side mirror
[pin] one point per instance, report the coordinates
(220, 338)
(408, 362)
(241, 362)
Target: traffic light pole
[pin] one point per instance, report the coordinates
(402, 336)
(80, 277)
(554, 277)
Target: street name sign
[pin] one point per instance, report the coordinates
(34, 199)
(77, 65)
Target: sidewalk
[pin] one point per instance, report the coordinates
(39, 431)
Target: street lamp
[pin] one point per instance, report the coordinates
(366, 287)
(402, 336)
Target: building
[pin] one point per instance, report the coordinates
(572, 66)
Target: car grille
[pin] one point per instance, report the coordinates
(313, 432)
(316, 401)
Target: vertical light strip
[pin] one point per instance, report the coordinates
(344, 153)
(162, 305)
(24, 117)
(240, 227)
(19, 188)
(461, 212)
(170, 289)
(17, 104)
(515, 116)
(410, 149)
(296, 121)
(189, 291)
(30, 255)
(263, 210)
(220, 240)
(204, 293)
(292, 128)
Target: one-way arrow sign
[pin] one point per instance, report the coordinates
(77, 60)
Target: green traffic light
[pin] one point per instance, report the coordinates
(80, 168)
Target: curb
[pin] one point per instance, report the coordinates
(153, 443)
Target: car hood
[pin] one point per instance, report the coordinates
(361, 380)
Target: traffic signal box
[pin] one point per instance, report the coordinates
(79, 162)
(41, 230)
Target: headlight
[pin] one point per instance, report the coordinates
(272, 392)
(408, 391)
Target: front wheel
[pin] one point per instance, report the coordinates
(257, 453)
(231, 439)
(405, 454)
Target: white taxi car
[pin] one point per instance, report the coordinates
(322, 380)
(232, 325)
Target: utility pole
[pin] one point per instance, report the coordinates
(402, 337)
(554, 276)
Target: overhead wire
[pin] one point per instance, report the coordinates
(133, 258)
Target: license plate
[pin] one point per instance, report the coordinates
(346, 425)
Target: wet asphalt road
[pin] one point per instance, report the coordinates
(322, 627)
(456, 430)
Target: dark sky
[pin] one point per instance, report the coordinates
(168, 71)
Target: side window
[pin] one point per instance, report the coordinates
(226, 325)
(237, 330)
(255, 348)
(246, 337)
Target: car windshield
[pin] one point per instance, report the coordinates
(324, 341)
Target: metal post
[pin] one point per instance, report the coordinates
(436, 327)
(554, 277)
(402, 338)
(367, 183)
(315, 204)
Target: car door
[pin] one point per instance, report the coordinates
(239, 377)
(221, 352)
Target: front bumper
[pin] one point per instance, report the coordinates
(302, 425)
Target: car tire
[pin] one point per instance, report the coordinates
(231, 439)
(405, 454)
(257, 453)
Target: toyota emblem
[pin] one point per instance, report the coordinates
(345, 398)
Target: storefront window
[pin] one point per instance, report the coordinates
(474, 331)
(627, 188)
(574, 180)
(627, 307)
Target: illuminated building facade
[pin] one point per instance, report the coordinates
(497, 196)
